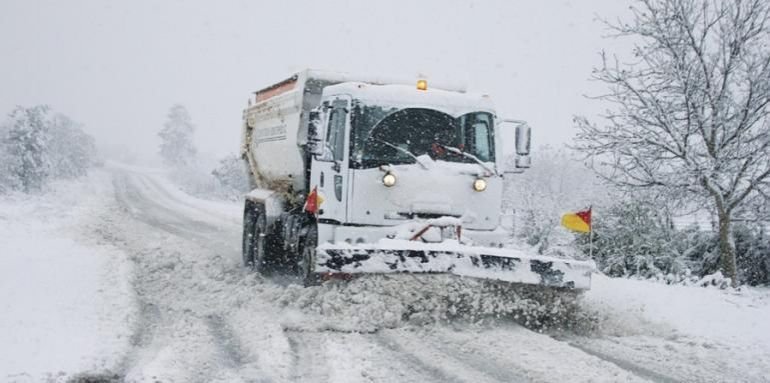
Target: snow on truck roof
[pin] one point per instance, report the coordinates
(339, 77)
(384, 90)
(454, 103)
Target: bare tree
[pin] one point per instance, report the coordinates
(689, 116)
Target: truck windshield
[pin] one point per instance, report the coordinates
(396, 136)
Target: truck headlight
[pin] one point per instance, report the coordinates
(389, 179)
(479, 185)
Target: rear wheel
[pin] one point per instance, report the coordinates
(260, 239)
(259, 252)
(247, 249)
(306, 260)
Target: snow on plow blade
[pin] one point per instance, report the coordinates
(510, 265)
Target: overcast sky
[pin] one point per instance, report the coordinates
(119, 66)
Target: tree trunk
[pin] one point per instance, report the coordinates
(727, 247)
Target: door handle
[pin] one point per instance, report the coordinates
(338, 187)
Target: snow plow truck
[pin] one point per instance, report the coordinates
(355, 175)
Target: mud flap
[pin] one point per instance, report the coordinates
(470, 261)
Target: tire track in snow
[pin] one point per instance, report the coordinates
(434, 363)
(226, 341)
(308, 362)
(162, 196)
(154, 213)
(634, 368)
(520, 354)
(169, 333)
(127, 196)
(479, 362)
(153, 183)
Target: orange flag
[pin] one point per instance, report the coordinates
(579, 221)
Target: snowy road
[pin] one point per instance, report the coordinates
(202, 318)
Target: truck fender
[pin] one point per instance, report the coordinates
(271, 202)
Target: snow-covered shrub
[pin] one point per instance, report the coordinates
(637, 237)
(752, 245)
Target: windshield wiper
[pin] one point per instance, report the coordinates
(402, 150)
(468, 155)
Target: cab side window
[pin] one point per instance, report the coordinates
(335, 132)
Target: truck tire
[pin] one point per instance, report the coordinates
(260, 248)
(306, 259)
(247, 249)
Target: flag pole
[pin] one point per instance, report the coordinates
(591, 235)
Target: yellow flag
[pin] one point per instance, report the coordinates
(579, 221)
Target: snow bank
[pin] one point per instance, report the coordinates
(372, 302)
(680, 333)
(728, 316)
(65, 295)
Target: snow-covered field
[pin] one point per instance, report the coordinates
(123, 275)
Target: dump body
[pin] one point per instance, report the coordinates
(274, 132)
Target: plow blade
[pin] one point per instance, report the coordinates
(508, 265)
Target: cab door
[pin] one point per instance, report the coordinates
(329, 173)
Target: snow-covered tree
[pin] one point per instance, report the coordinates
(26, 147)
(8, 179)
(232, 173)
(689, 113)
(35, 148)
(177, 148)
(71, 150)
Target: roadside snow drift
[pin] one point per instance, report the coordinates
(65, 294)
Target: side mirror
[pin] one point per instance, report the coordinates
(523, 134)
(314, 140)
(519, 161)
